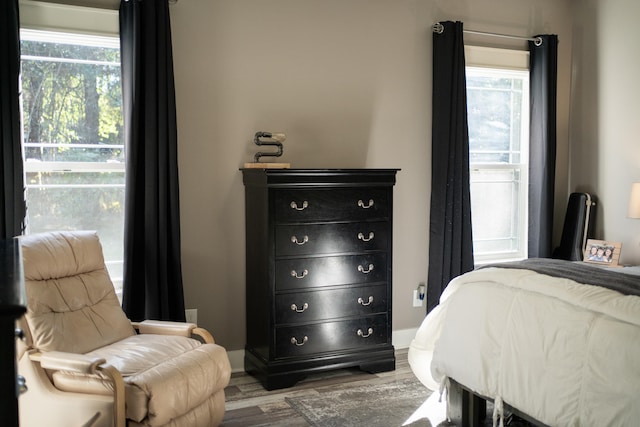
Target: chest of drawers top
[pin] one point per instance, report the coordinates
(313, 178)
(307, 195)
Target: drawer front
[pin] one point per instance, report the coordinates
(305, 340)
(304, 239)
(305, 273)
(299, 307)
(305, 205)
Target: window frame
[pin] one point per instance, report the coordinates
(64, 18)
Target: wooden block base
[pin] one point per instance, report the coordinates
(267, 165)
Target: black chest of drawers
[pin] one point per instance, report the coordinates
(318, 271)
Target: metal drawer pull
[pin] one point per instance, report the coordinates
(361, 301)
(362, 270)
(295, 240)
(366, 239)
(297, 310)
(301, 276)
(22, 384)
(294, 340)
(294, 205)
(362, 205)
(361, 334)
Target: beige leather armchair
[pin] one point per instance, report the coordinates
(86, 364)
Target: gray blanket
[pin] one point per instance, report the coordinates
(610, 278)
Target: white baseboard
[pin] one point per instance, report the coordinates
(403, 337)
(400, 339)
(236, 357)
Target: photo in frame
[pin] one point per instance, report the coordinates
(602, 252)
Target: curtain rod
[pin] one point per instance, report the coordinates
(439, 28)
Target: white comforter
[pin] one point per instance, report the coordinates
(564, 353)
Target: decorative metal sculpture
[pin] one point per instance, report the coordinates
(274, 139)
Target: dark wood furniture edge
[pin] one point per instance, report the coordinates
(12, 307)
(468, 409)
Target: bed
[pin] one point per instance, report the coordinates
(556, 341)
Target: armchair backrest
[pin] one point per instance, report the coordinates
(71, 302)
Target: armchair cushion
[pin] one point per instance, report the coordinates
(72, 305)
(149, 362)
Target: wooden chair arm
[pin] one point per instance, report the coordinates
(119, 413)
(72, 362)
(204, 334)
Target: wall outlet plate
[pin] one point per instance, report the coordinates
(191, 315)
(417, 302)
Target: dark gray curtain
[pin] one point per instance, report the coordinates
(152, 271)
(542, 152)
(450, 238)
(12, 212)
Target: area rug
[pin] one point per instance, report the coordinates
(387, 404)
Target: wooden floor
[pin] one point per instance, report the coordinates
(249, 404)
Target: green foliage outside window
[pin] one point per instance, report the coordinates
(69, 101)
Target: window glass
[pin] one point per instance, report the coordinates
(497, 104)
(72, 137)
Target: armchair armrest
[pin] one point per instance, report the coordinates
(164, 327)
(61, 361)
(80, 363)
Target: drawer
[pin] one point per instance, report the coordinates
(305, 273)
(308, 239)
(317, 338)
(298, 307)
(305, 205)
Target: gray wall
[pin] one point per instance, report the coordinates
(349, 81)
(605, 115)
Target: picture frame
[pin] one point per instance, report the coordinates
(602, 252)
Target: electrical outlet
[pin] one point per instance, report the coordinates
(417, 302)
(192, 315)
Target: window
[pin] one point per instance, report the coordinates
(72, 137)
(498, 115)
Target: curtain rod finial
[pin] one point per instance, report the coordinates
(438, 28)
